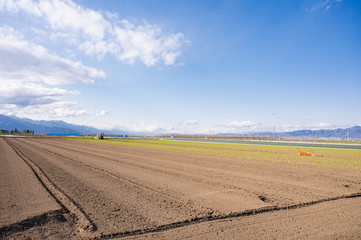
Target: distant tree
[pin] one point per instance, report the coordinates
(4, 131)
(27, 131)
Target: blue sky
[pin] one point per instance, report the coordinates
(183, 66)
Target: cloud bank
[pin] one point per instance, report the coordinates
(38, 59)
(23, 61)
(29, 72)
(96, 33)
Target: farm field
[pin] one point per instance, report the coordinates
(157, 189)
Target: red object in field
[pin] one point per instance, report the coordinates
(308, 154)
(304, 153)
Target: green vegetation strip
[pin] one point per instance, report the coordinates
(281, 143)
(332, 158)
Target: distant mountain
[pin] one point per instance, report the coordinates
(40, 127)
(340, 133)
(11, 122)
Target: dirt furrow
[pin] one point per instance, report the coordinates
(198, 160)
(274, 188)
(82, 220)
(331, 220)
(21, 194)
(112, 205)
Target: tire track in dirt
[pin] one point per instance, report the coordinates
(338, 219)
(249, 212)
(83, 222)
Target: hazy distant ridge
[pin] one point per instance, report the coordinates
(339, 133)
(353, 132)
(39, 127)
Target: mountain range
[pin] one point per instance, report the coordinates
(40, 127)
(60, 127)
(352, 133)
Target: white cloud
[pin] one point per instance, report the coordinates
(35, 57)
(323, 125)
(98, 34)
(23, 61)
(191, 122)
(188, 127)
(30, 94)
(68, 16)
(27, 70)
(61, 15)
(53, 110)
(138, 127)
(102, 113)
(316, 126)
(325, 5)
(146, 42)
(241, 124)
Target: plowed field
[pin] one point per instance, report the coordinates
(140, 189)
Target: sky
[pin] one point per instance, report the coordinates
(183, 66)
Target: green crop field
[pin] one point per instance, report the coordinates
(331, 158)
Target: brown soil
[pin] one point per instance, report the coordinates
(128, 191)
(340, 219)
(22, 196)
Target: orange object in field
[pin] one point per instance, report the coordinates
(303, 153)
